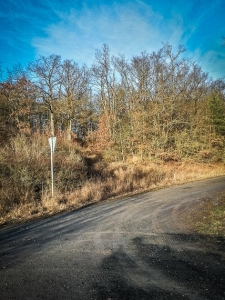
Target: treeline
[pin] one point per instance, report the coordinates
(153, 105)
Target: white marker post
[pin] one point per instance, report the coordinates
(52, 141)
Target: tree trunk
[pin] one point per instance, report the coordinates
(52, 125)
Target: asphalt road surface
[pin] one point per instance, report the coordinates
(137, 247)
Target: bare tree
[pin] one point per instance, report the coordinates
(17, 100)
(46, 77)
(104, 81)
(73, 94)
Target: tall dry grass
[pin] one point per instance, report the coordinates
(25, 175)
(25, 191)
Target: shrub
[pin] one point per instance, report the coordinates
(25, 171)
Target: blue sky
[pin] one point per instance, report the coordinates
(74, 29)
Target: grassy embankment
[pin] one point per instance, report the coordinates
(209, 219)
(81, 179)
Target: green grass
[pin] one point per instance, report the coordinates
(212, 219)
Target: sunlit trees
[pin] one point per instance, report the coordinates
(74, 93)
(153, 103)
(104, 82)
(46, 78)
(17, 101)
(153, 107)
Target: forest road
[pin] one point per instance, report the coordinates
(138, 247)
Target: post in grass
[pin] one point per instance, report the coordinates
(52, 141)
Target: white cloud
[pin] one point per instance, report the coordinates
(212, 62)
(75, 29)
(127, 29)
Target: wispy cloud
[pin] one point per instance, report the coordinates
(212, 62)
(127, 29)
(75, 29)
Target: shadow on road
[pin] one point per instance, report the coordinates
(192, 268)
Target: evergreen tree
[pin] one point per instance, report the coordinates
(217, 109)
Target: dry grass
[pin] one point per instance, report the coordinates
(109, 181)
(25, 177)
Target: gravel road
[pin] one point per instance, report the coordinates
(138, 247)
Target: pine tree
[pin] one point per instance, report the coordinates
(217, 109)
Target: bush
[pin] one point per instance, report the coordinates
(25, 171)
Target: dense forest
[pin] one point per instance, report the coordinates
(153, 107)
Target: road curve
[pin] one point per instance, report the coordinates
(137, 247)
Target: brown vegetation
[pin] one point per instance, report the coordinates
(121, 127)
(79, 180)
